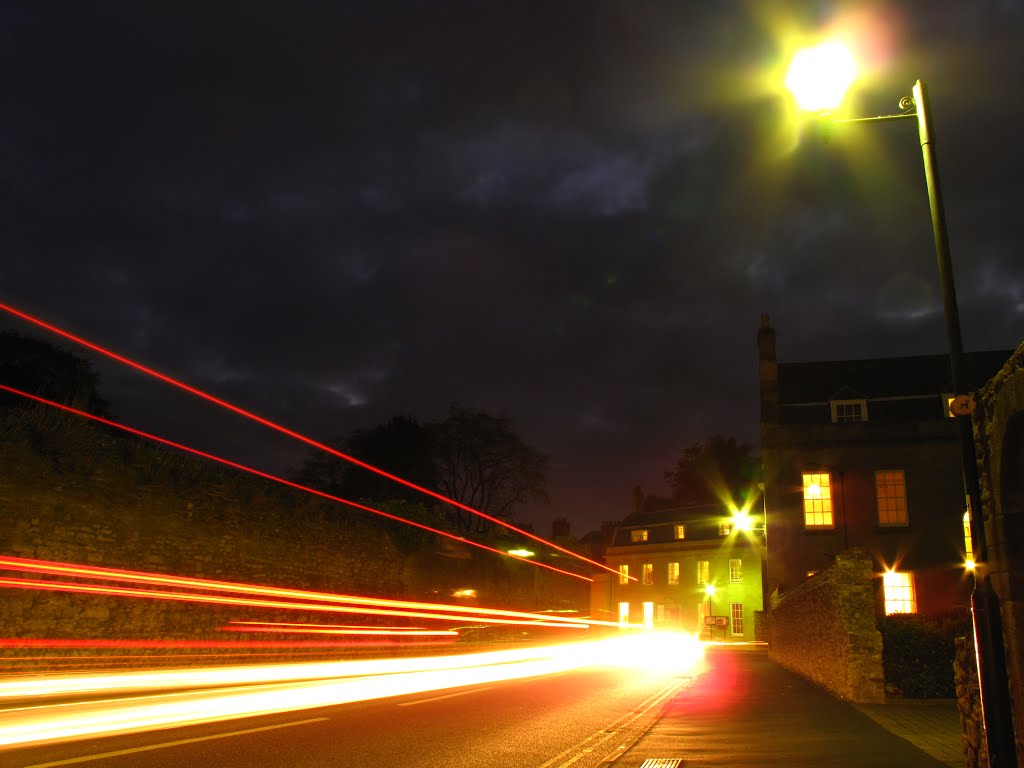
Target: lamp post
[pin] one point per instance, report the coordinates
(709, 590)
(988, 638)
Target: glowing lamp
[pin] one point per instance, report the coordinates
(742, 521)
(709, 589)
(969, 565)
(819, 77)
(521, 552)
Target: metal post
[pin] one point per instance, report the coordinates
(988, 636)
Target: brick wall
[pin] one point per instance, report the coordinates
(825, 630)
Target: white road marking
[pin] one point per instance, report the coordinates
(446, 696)
(87, 758)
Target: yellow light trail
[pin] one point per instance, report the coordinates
(140, 577)
(260, 690)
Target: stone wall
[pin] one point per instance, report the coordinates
(999, 437)
(825, 630)
(72, 493)
(968, 699)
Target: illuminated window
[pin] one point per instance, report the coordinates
(948, 400)
(968, 542)
(899, 592)
(638, 535)
(703, 571)
(680, 532)
(849, 411)
(623, 613)
(735, 571)
(736, 614)
(724, 529)
(659, 612)
(623, 574)
(891, 497)
(648, 615)
(647, 571)
(673, 573)
(817, 500)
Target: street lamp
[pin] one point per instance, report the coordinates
(988, 638)
(709, 590)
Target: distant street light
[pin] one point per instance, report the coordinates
(521, 552)
(807, 72)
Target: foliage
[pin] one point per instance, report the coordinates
(401, 446)
(472, 457)
(918, 653)
(40, 368)
(482, 463)
(718, 469)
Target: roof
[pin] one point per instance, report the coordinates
(819, 382)
(701, 523)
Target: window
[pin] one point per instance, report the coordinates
(623, 613)
(817, 500)
(673, 573)
(948, 400)
(899, 592)
(703, 611)
(659, 613)
(647, 571)
(736, 614)
(680, 532)
(703, 571)
(735, 571)
(968, 541)
(623, 574)
(724, 529)
(638, 535)
(891, 497)
(648, 615)
(849, 411)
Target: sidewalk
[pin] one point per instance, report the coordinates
(748, 711)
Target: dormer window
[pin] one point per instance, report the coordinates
(638, 535)
(849, 411)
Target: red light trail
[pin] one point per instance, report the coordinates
(291, 433)
(281, 480)
(100, 573)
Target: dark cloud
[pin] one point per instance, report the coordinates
(571, 213)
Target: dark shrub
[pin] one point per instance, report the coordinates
(918, 652)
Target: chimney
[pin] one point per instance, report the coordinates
(768, 371)
(560, 528)
(638, 499)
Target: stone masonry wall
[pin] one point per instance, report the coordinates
(72, 493)
(825, 630)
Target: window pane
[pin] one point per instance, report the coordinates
(648, 615)
(899, 592)
(623, 613)
(735, 571)
(638, 535)
(623, 574)
(648, 573)
(703, 571)
(680, 531)
(968, 542)
(891, 496)
(736, 614)
(673, 573)
(817, 500)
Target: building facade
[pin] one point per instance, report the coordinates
(677, 567)
(866, 453)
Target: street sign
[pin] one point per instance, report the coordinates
(716, 621)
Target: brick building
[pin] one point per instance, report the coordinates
(865, 453)
(668, 556)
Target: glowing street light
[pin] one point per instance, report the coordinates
(819, 77)
(806, 81)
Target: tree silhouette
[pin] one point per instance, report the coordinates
(718, 469)
(40, 368)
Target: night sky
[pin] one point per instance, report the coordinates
(568, 212)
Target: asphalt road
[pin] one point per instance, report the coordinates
(577, 718)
